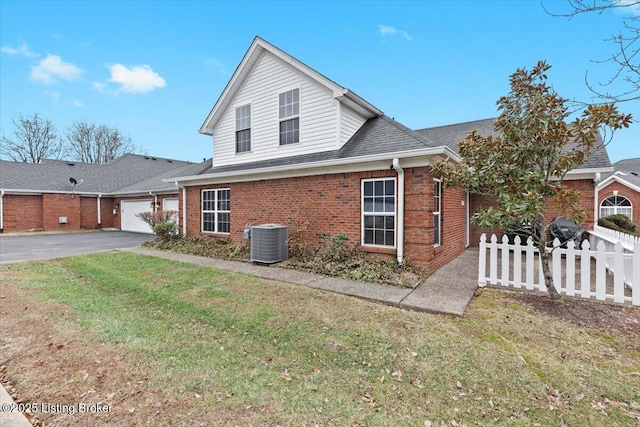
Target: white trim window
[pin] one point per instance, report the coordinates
(437, 212)
(616, 205)
(243, 128)
(289, 112)
(379, 212)
(216, 211)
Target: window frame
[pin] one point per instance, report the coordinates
(437, 212)
(215, 211)
(385, 214)
(293, 117)
(243, 129)
(616, 206)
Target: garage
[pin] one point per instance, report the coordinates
(171, 204)
(128, 211)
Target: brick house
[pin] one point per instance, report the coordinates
(619, 192)
(290, 144)
(65, 195)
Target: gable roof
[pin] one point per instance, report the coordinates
(145, 173)
(451, 135)
(257, 48)
(626, 171)
(380, 138)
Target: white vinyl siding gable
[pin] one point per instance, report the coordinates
(320, 115)
(350, 122)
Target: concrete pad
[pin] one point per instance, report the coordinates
(10, 418)
(449, 290)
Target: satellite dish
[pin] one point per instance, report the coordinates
(73, 181)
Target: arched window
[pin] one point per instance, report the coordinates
(615, 205)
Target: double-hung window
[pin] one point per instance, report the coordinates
(216, 211)
(243, 128)
(379, 212)
(437, 212)
(289, 112)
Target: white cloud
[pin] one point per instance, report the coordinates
(22, 50)
(55, 96)
(136, 79)
(386, 30)
(77, 103)
(628, 6)
(53, 68)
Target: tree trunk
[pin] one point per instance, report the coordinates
(548, 277)
(541, 231)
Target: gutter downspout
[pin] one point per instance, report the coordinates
(184, 211)
(596, 206)
(400, 172)
(1, 211)
(99, 213)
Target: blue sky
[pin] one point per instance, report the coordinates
(155, 69)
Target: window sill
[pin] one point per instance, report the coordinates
(214, 234)
(378, 250)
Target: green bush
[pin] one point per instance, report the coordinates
(618, 222)
(166, 230)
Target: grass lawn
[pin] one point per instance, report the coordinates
(165, 343)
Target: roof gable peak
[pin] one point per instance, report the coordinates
(258, 47)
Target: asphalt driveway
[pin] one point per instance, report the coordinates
(47, 246)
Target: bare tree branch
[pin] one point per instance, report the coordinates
(35, 139)
(99, 144)
(626, 56)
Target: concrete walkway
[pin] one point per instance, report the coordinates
(448, 291)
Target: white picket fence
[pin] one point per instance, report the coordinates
(580, 272)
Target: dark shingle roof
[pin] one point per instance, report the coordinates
(628, 169)
(143, 172)
(378, 135)
(450, 135)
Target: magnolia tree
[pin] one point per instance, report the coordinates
(523, 169)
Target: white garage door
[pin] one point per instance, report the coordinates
(171, 205)
(129, 220)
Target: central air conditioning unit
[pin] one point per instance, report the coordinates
(269, 243)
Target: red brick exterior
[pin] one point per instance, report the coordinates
(43, 211)
(332, 204)
(624, 191)
(586, 187)
(22, 212)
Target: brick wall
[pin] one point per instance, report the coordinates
(624, 191)
(55, 206)
(332, 203)
(22, 213)
(586, 187)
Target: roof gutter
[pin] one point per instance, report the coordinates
(315, 168)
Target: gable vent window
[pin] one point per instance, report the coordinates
(289, 107)
(243, 128)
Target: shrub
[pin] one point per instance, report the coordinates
(166, 230)
(157, 217)
(618, 222)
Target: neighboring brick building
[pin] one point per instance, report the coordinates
(65, 195)
(619, 192)
(292, 146)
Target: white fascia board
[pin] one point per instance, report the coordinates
(141, 193)
(602, 184)
(586, 173)
(25, 192)
(358, 104)
(412, 158)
